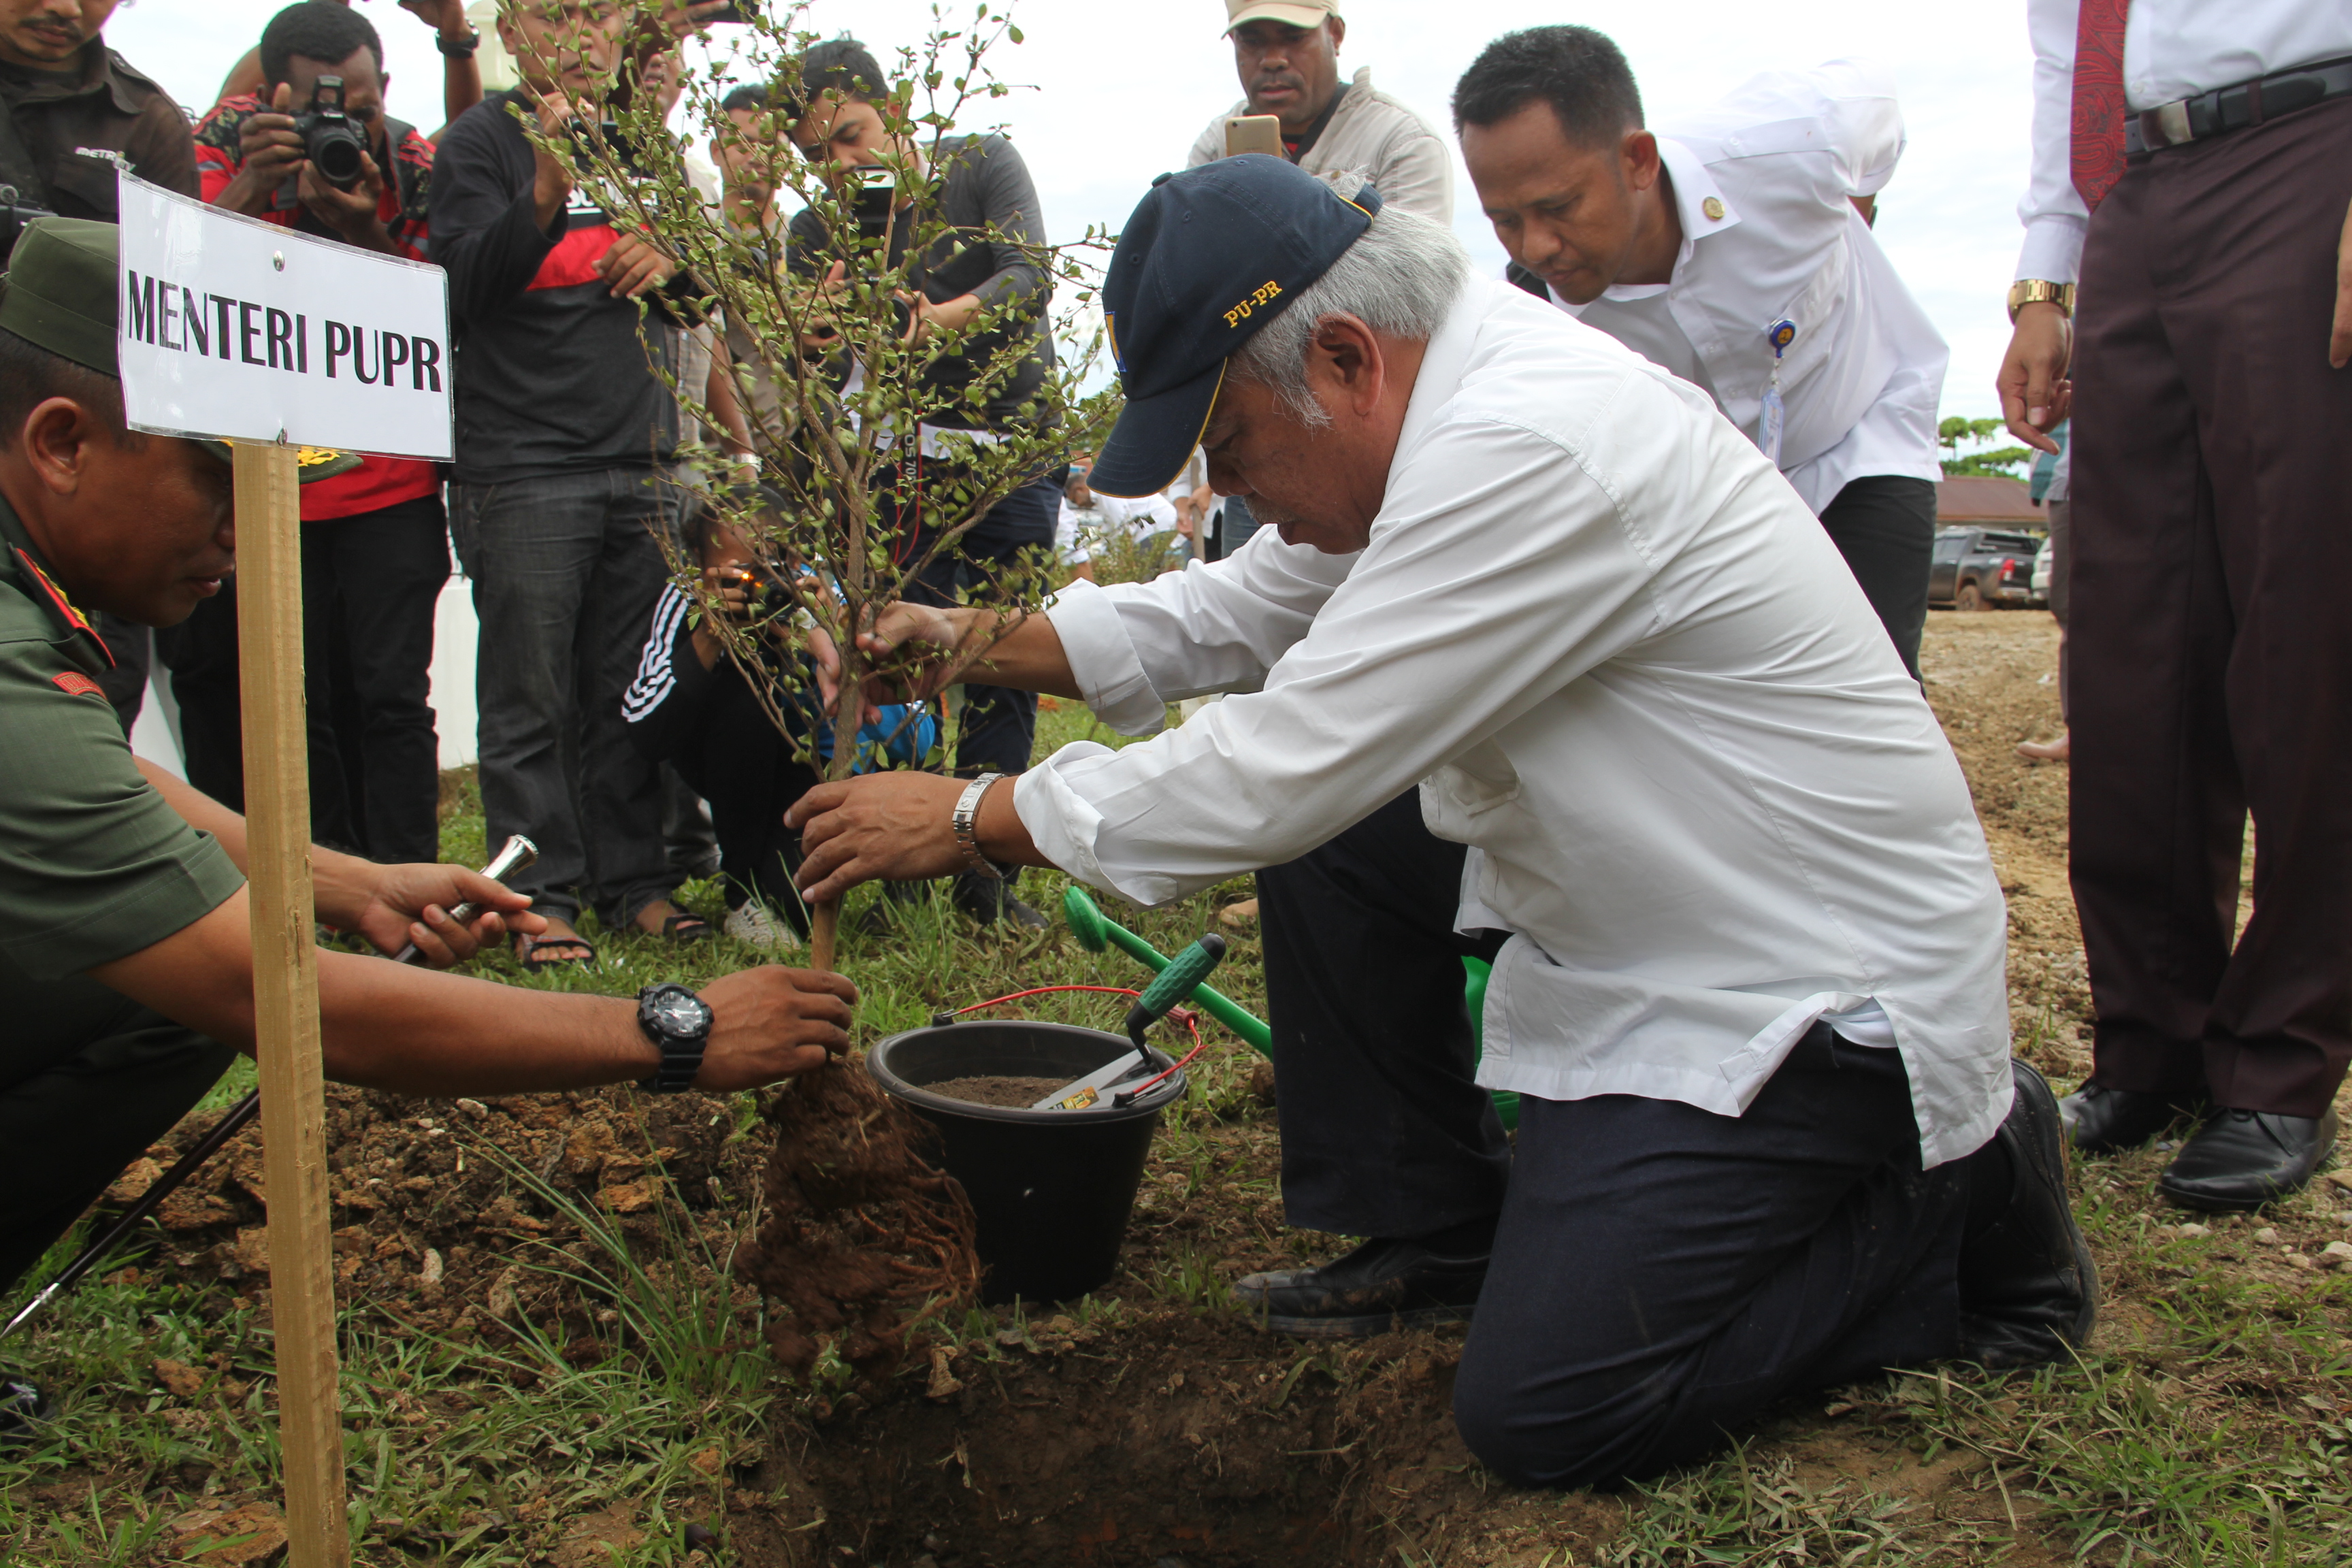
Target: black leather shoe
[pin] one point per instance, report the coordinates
(2244, 1159)
(22, 1408)
(2029, 1289)
(1382, 1285)
(989, 900)
(2100, 1120)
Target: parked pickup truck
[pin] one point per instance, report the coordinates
(1981, 569)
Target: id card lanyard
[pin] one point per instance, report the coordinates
(1779, 334)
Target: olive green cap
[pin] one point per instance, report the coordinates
(61, 292)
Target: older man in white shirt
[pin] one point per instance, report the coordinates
(1729, 248)
(1749, 948)
(2192, 170)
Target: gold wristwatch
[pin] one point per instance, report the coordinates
(2040, 291)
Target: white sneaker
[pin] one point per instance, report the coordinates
(754, 924)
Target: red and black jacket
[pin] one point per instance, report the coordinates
(551, 375)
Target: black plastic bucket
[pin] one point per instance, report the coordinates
(1051, 1189)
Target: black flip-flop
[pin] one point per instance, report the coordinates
(527, 952)
(682, 928)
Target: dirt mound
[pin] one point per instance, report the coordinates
(438, 1203)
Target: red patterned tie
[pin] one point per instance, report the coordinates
(2097, 134)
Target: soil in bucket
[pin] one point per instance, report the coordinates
(863, 1230)
(1013, 1092)
(1051, 1190)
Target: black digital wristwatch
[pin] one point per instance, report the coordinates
(678, 1024)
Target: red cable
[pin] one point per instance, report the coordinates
(1041, 990)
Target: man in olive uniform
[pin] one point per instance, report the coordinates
(125, 957)
(75, 111)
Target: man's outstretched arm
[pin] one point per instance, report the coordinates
(391, 1026)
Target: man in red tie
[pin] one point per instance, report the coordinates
(2193, 172)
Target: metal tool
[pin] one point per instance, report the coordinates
(518, 853)
(1097, 934)
(243, 1112)
(1174, 984)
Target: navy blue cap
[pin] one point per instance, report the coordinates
(1209, 256)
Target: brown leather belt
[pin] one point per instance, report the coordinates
(2235, 108)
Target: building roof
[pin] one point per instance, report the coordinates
(1987, 498)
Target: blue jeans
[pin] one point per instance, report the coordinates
(1233, 530)
(998, 726)
(565, 573)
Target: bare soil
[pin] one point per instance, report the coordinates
(1010, 1094)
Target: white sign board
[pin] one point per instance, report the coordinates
(235, 328)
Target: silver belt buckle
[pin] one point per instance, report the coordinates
(2172, 118)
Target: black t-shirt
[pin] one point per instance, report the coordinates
(551, 376)
(983, 183)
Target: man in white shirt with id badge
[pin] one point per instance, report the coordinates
(1732, 248)
(1538, 659)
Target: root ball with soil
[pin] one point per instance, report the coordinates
(864, 1237)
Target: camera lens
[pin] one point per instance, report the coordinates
(335, 150)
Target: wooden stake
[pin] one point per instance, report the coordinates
(286, 1002)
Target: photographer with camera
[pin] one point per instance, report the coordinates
(566, 439)
(72, 113)
(314, 149)
(987, 259)
(453, 36)
(317, 153)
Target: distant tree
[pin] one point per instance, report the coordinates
(2007, 462)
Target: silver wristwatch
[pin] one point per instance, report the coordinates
(966, 823)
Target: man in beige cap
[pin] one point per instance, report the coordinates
(1287, 53)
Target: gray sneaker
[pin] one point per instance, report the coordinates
(755, 924)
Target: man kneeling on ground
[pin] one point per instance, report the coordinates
(1671, 777)
(126, 959)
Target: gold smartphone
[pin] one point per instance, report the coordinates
(1253, 133)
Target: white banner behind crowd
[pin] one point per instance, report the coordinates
(237, 328)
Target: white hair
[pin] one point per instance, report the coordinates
(1401, 277)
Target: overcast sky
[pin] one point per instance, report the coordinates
(1114, 93)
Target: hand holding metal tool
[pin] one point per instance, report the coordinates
(518, 853)
(1171, 986)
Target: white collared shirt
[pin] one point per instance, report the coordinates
(2172, 49)
(1761, 186)
(1633, 676)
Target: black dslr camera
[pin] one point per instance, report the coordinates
(876, 199)
(17, 210)
(330, 139)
